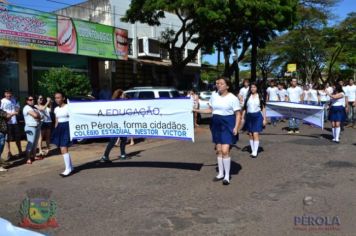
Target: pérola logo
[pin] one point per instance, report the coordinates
(37, 210)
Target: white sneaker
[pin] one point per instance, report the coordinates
(67, 172)
(2, 169)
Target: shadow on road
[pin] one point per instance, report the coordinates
(300, 135)
(139, 164)
(248, 149)
(327, 136)
(234, 169)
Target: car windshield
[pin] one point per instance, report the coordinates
(175, 94)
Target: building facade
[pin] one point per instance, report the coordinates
(148, 64)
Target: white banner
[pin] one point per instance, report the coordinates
(312, 114)
(159, 118)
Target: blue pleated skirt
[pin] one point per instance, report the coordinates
(222, 129)
(337, 114)
(61, 136)
(254, 122)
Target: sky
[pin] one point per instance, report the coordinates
(340, 10)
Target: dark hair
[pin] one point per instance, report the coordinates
(227, 81)
(7, 91)
(30, 96)
(61, 93)
(27, 99)
(117, 94)
(338, 88)
(262, 101)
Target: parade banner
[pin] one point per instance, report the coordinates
(308, 113)
(28, 29)
(160, 118)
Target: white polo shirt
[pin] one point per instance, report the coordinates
(62, 113)
(10, 106)
(272, 93)
(351, 93)
(243, 93)
(224, 105)
(294, 94)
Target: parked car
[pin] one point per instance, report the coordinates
(152, 92)
(204, 97)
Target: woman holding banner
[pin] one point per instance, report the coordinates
(61, 135)
(118, 94)
(337, 113)
(225, 108)
(254, 109)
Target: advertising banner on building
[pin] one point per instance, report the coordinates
(160, 118)
(308, 113)
(30, 29)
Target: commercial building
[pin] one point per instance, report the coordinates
(148, 64)
(32, 42)
(91, 39)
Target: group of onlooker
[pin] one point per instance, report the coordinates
(37, 126)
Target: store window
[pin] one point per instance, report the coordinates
(9, 70)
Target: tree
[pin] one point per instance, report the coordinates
(66, 81)
(340, 48)
(264, 18)
(308, 44)
(201, 23)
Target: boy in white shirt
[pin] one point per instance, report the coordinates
(243, 91)
(351, 95)
(282, 93)
(272, 96)
(295, 94)
(9, 104)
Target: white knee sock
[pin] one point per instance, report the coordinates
(71, 164)
(252, 146)
(255, 145)
(67, 163)
(220, 167)
(334, 135)
(227, 164)
(337, 134)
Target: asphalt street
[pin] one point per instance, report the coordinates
(166, 188)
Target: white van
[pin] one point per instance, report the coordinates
(152, 92)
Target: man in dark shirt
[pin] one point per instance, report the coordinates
(4, 116)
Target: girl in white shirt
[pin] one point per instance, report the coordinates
(254, 108)
(243, 91)
(324, 100)
(61, 136)
(313, 97)
(44, 106)
(337, 113)
(224, 126)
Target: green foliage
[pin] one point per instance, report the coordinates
(211, 73)
(65, 80)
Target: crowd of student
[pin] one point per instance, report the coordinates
(246, 110)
